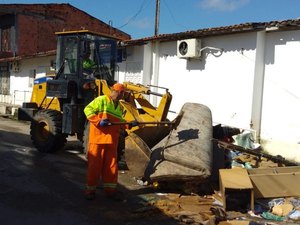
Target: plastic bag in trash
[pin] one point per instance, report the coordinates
(295, 202)
(295, 215)
(270, 216)
(276, 201)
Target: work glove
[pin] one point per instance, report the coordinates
(133, 124)
(104, 123)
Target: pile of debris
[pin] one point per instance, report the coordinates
(209, 210)
(255, 188)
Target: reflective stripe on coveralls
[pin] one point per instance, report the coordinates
(103, 143)
(98, 156)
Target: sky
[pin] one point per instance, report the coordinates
(137, 17)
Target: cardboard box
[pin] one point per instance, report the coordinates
(236, 189)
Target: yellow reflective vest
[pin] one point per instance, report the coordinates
(101, 108)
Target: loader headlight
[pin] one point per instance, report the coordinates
(93, 85)
(89, 85)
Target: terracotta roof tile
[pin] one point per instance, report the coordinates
(213, 31)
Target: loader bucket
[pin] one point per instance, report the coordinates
(138, 147)
(184, 154)
(137, 155)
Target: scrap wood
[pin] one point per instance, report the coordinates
(194, 218)
(235, 222)
(172, 196)
(260, 154)
(246, 158)
(194, 199)
(167, 206)
(268, 164)
(197, 208)
(185, 201)
(254, 161)
(186, 208)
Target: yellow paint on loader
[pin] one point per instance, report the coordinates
(39, 93)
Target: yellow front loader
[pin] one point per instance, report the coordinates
(157, 147)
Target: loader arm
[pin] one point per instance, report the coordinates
(137, 95)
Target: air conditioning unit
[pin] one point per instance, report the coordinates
(189, 48)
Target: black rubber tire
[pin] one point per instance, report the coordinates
(46, 131)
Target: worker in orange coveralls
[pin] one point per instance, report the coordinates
(103, 141)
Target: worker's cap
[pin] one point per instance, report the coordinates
(118, 87)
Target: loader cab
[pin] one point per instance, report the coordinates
(69, 84)
(76, 47)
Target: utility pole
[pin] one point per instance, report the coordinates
(157, 17)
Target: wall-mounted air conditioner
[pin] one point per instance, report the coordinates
(189, 48)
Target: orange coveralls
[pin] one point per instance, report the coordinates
(103, 144)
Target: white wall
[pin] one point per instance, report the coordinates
(133, 66)
(281, 100)
(220, 82)
(21, 82)
(225, 83)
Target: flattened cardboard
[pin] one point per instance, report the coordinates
(275, 182)
(234, 222)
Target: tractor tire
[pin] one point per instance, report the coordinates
(46, 131)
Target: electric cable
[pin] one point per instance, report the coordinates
(172, 15)
(135, 15)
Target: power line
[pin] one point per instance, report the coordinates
(135, 15)
(172, 15)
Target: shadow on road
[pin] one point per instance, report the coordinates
(39, 188)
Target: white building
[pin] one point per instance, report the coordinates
(22, 77)
(28, 43)
(247, 74)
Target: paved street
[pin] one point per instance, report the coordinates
(37, 188)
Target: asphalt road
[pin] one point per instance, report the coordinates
(38, 188)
